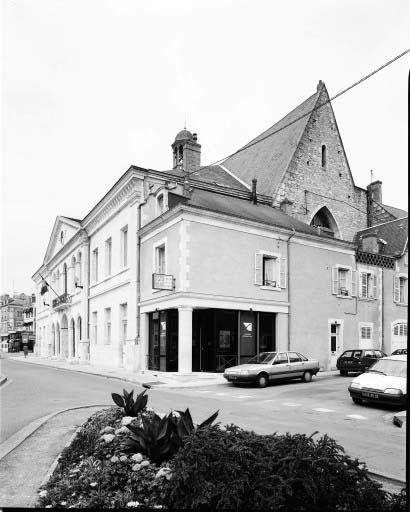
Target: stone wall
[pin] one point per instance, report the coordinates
(309, 186)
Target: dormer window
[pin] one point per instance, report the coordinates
(161, 204)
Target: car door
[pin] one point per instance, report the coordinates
(280, 366)
(369, 357)
(295, 365)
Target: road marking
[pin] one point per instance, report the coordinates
(243, 396)
(356, 417)
(321, 409)
(204, 391)
(221, 394)
(290, 404)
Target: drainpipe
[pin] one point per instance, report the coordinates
(138, 318)
(381, 288)
(287, 255)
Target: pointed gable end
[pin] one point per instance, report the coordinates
(63, 230)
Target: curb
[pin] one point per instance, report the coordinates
(16, 439)
(3, 380)
(390, 478)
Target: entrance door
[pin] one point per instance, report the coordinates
(335, 343)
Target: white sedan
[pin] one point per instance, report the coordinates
(384, 382)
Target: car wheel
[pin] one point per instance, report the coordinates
(262, 380)
(357, 400)
(343, 372)
(307, 377)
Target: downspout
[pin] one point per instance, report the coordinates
(88, 298)
(138, 283)
(381, 288)
(289, 308)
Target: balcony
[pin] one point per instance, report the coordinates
(62, 302)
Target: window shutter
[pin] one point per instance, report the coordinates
(374, 279)
(335, 280)
(361, 274)
(258, 268)
(353, 284)
(283, 270)
(396, 289)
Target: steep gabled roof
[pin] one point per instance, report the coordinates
(214, 175)
(394, 233)
(268, 160)
(396, 212)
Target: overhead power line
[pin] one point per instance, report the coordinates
(344, 91)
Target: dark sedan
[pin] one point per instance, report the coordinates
(357, 360)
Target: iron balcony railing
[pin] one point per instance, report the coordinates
(62, 301)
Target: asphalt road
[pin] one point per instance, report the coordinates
(323, 405)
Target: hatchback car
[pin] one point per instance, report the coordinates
(400, 352)
(269, 366)
(357, 360)
(384, 382)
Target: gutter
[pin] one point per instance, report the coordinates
(288, 278)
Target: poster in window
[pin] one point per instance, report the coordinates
(224, 339)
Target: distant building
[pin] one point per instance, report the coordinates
(201, 267)
(28, 334)
(12, 320)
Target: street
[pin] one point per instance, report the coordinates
(323, 405)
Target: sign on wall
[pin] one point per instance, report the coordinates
(162, 282)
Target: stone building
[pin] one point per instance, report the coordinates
(12, 320)
(201, 267)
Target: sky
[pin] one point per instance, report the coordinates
(90, 87)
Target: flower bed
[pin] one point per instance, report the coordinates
(207, 467)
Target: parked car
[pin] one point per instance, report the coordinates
(400, 352)
(269, 366)
(384, 382)
(357, 360)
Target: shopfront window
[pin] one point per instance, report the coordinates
(247, 347)
(266, 332)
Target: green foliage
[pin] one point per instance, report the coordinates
(153, 438)
(183, 425)
(131, 407)
(237, 469)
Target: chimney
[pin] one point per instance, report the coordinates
(375, 191)
(254, 197)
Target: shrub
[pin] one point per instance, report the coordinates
(131, 407)
(183, 426)
(237, 469)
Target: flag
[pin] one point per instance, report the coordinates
(44, 287)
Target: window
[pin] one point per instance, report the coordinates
(95, 266)
(94, 326)
(343, 281)
(160, 259)
(160, 204)
(107, 322)
(123, 320)
(124, 246)
(368, 285)
(365, 334)
(400, 289)
(108, 256)
(400, 330)
(324, 156)
(270, 270)
(294, 357)
(281, 358)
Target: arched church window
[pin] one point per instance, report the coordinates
(324, 219)
(324, 156)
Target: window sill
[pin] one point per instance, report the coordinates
(367, 299)
(405, 304)
(271, 288)
(344, 296)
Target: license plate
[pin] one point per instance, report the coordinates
(370, 395)
(232, 377)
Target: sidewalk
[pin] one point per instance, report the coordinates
(153, 378)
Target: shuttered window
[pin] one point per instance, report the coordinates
(270, 270)
(344, 281)
(400, 289)
(367, 285)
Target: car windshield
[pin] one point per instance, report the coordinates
(390, 367)
(262, 358)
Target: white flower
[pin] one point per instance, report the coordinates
(108, 437)
(126, 420)
(136, 467)
(109, 430)
(123, 458)
(137, 457)
(49, 506)
(158, 506)
(114, 458)
(93, 484)
(63, 503)
(164, 472)
(43, 493)
(133, 504)
(145, 463)
(122, 430)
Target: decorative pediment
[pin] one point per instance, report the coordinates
(64, 229)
